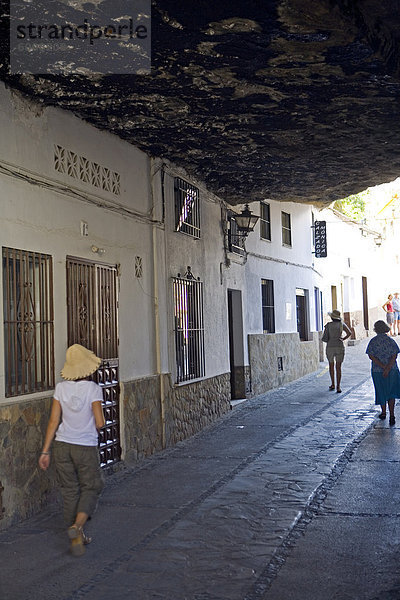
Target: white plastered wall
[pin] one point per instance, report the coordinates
(44, 218)
(288, 267)
(205, 256)
(351, 256)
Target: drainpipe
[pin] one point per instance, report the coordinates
(156, 308)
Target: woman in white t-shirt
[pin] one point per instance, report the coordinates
(75, 420)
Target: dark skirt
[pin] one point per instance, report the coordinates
(388, 387)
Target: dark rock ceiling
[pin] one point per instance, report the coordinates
(282, 99)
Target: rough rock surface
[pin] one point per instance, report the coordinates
(283, 99)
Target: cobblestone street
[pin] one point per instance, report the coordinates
(293, 495)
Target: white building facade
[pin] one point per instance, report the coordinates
(129, 256)
(356, 272)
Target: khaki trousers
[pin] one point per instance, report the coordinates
(79, 477)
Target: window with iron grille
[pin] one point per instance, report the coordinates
(189, 327)
(265, 221)
(236, 240)
(268, 308)
(187, 208)
(28, 321)
(286, 229)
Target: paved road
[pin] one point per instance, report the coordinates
(292, 496)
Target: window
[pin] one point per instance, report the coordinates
(189, 327)
(187, 208)
(268, 309)
(236, 240)
(28, 322)
(286, 229)
(265, 221)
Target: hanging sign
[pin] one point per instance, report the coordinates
(320, 239)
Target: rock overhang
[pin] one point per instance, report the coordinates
(290, 100)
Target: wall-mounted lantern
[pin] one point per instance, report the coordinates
(245, 221)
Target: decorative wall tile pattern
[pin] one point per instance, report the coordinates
(85, 170)
(138, 266)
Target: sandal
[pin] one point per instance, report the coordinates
(338, 391)
(331, 387)
(392, 420)
(78, 540)
(382, 416)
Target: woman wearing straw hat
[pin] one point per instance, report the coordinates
(75, 420)
(383, 351)
(335, 347)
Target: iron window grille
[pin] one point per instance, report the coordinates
(268, 306)
(286, 229)
(189, 327)
(28, 322)
(187, 208)
(236, 239)
(265, 221)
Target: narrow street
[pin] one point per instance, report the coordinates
(294, 495)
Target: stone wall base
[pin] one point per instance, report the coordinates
(149, 424)
(276, 359)
(141, 430)
(193, 406)
(355, 320)
(24, 488)
(375, 314)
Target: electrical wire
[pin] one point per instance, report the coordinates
(54, 186)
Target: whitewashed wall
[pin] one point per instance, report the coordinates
(289, 268)
(351, 256)
(205, 256)
(47, 218)
(44, 218)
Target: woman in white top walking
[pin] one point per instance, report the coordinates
(75, 420)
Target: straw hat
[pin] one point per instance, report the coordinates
(381, 327)
(335, 315)
(80, 363)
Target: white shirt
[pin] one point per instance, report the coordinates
(78, 425)
(396, 304)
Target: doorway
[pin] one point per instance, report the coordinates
(302, 314)
(92, 318)
(236, 349)
(365, 302)
(334, 297)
